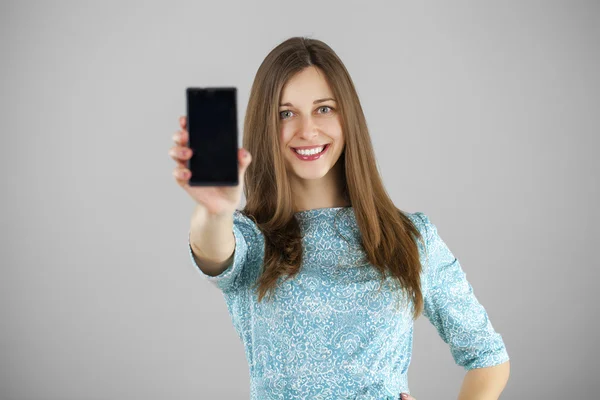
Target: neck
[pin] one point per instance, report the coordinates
(325, 192)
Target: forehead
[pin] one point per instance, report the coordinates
(305, 87)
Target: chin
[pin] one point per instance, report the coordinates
(308, 171)
(310, 175)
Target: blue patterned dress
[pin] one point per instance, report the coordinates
(328, 333)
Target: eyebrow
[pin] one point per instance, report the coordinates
(314, 102)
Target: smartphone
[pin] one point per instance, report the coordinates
(213, 136)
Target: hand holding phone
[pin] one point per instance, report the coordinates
(219, 197)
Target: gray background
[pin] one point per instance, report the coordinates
(484, 115)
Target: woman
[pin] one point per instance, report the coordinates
(322, 275)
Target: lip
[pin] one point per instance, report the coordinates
(309, 147)
(313, 157)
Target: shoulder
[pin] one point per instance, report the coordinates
(421, 221)
(246, 224)
(431, 241)
(240, 217)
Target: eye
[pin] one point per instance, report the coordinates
(326, 107)
(281, 114)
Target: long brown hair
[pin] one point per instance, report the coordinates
(388, 236)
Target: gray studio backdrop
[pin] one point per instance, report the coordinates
(484, 115)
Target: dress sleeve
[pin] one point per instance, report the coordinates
(452, 308)
(247, 246)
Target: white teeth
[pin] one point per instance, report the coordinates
(311, 151)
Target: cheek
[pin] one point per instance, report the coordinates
(284, 132)
(333, 128)
(283, 140)
(333, 121)
(285, 136)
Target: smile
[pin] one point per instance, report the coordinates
(311, 157)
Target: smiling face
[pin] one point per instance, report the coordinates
(309, 117)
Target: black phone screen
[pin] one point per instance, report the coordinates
(212, 127)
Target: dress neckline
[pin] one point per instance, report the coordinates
(324, 210)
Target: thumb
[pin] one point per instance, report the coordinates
(244, 159)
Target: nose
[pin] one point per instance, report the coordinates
(308, 128)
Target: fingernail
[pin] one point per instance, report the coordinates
(244, 153)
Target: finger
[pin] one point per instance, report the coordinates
(181, 155)
(181, 138)
(183, 122)
(182, 175)
(406, 396)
